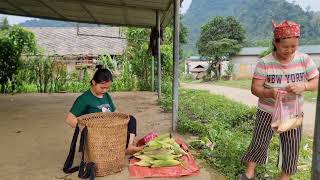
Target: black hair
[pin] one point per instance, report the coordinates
(99, 66)
(276, 41)
(102, 75)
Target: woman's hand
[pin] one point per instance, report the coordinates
(296, 88)
(131, 149)
(275, 91)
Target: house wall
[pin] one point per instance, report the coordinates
(71, 67)
(192, 64)
(198, 75)
(245, 65)
(316, 58)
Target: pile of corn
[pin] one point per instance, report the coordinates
(160, 152)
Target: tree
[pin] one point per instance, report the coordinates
(183, 41)
(8, 63)
(23, 40)
(4, 24)
(13, 42)
(183, 32)
(220, 39)
(138, 55)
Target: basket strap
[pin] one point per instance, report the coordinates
(87, 170)
(67, 167)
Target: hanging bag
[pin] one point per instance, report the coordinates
(287, 114)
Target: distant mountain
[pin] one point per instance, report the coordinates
(254, 15)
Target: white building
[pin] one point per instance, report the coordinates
(245, 61)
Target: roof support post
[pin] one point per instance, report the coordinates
(152, 74)
(159, 54)
(316, 141)
(176, 48)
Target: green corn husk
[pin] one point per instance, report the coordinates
(143, 163)
(164, 163)
(163, 157)
(160, 152)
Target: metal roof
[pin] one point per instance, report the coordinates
(113, 12)
(310, 49)
(196, 58)
(251, 51)
(65, 41)
(254, 51)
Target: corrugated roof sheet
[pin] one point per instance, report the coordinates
(196, 58)
(65, 41)
(113, 12)
(252, 51)
(308, 49)
(255, 51)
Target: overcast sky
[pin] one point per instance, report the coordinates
(314, 4)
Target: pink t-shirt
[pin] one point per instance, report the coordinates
(277, 75)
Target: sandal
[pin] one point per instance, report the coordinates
(243, 176)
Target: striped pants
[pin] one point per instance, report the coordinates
(258, 149)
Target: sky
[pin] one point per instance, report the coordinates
(185, 5)
(314, 4)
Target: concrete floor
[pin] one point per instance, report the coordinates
(35, 140)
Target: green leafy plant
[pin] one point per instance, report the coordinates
(14, 41)
(230, 69)
(221, 38)
(229, 125)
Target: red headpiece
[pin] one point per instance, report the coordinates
(286, 29)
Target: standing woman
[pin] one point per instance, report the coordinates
(288, 70)
(97, 99)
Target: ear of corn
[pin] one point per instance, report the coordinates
(145, 158)
(163, 163)
(160, 152)
(163, 157)
(153, 143)
(178, 150)
(143, 163)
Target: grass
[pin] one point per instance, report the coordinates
(310, 96)
(243, 84)
(246, 84)
(229, 125)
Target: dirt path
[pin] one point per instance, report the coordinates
(245, 96)
(35, 140)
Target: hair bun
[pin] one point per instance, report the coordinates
(99, 66)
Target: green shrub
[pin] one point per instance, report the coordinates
(229, 125)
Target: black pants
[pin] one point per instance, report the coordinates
(289, 140)
(132, 128)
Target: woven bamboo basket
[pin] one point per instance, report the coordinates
(106, 141)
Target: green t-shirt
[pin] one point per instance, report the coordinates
(89, 103)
